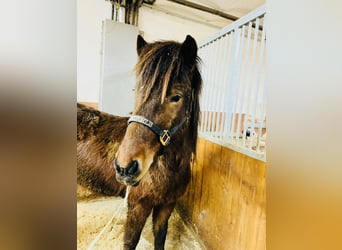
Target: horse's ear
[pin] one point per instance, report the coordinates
(140, 44)
(189, 50)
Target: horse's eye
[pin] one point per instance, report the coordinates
(175, 98)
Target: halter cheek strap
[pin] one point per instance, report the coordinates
(164, 134)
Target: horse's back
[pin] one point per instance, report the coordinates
(98, 137)
(92, 122)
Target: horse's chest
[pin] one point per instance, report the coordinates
(168, 182)
(163, 183)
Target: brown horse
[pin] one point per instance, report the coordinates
(153, 152)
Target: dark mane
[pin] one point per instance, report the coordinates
(194, 104)
(161, 64)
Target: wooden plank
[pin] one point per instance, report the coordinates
(198, 176)
(228, 199)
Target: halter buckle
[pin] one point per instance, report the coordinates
(165, 138)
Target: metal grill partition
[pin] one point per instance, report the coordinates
(233, 98)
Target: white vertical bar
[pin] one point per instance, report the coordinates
(234, 87)
(261, 119)
(251, 79)
(243, 82)
(258, 82)
(201, 56)
(220, 84)
(200, 124)
(223, 85)
(218, 87)
(206, 91)
(205, 86)
(212, 85)
(240, 86)
(233, 83)
(228, 101)
(209, 85)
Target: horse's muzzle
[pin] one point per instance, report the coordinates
(127, 175)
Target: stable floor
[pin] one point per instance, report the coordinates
(94, 212)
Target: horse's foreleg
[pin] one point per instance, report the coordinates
(136, 218)
(161, 215)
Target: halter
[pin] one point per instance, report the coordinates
(164, 134)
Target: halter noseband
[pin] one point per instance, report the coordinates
(164, 134)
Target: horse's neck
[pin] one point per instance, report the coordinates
(180, 147)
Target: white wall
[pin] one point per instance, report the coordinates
(117, 78)
(90, 14)
(155, 25)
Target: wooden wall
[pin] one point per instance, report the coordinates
(226, 199)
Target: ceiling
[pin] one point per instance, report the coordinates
(237, 8)
(234, 7)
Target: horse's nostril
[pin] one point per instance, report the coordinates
(117, 167)
(132, 168)
(119, 170)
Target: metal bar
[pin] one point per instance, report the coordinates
(218, 87)
(212, 76)
(205, 9)
(233, 84)
(260, 66)
(207, 88)
(258, 84)
(255, 45)
(251, 84)
(226, 126)
(201, 54)
(261, 118)
(241, 87)
(259, 12)
(258, 120)
(220, 99)
(215, 85)
(244, 79)
(174, 13)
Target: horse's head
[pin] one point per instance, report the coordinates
(166, 105)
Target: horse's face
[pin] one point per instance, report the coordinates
(163, 95)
